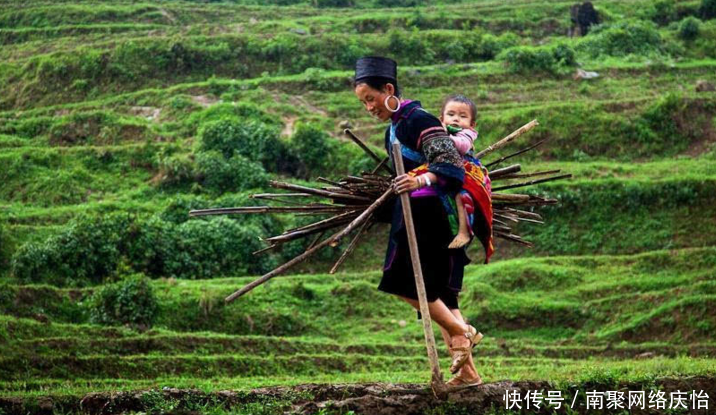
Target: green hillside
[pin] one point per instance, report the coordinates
(117, 118)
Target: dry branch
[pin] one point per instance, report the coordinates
(498, 145)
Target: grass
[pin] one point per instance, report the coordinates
(557, 318)
(101, 111)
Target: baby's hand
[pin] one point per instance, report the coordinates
(451, 129)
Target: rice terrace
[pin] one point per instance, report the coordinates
(118, 118)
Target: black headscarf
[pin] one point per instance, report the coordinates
(376, 67)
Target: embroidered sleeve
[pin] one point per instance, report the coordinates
(439, 150)
(463, 140)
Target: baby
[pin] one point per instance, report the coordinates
(458, 115)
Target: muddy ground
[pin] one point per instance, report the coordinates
(379, 399)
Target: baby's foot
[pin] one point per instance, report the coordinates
(460, 240)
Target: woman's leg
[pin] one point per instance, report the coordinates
(468, 371)
(439, 312)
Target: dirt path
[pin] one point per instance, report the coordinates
(371, 398)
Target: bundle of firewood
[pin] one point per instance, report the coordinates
(351, 201)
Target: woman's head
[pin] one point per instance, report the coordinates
(458, 111)
(376, 86)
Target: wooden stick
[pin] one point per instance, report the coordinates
(525, 175)
(380, 165)
(255, 283)
(337, 186)
(513, 218)
(498, 145)
(510, 197)
(300, 258)
(523, 213)
(514, 238)
(362, 218)
(437, 379)
(505, 170)
(365, 148)
(268, 248)
(319, 192)
(305, 232)
(531, 182)
(310, 229)
(278, 195)
(265, 209)
(315, 241)
(351, 247)
(319, 223)
(531, 201)
(524, 150)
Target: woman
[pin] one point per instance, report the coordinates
(423, 140)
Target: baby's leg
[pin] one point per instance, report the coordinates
(463, 234)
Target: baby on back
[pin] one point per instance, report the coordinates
(458, 115)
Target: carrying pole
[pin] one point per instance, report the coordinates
(437, 384)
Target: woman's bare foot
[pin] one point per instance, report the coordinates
(460, 240)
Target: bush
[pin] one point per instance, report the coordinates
(621, 39)
(213, 248)
(251, 139)
(234, 174)
(689, 28)
(662, 12)
(130, 301)
(90, 249)
(87, 250)
(333, 3)
(522, 59)
(708, 9)
(399, 3)
(313, 148)
(176, 169)
(95, 127)
(6, 248)
(410, 46)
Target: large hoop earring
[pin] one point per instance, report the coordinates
(385, 103)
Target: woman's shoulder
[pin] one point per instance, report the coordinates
(417, 118)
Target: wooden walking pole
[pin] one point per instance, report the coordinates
(437, 384)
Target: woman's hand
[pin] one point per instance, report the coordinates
(406, 183)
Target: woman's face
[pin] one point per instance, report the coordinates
(374, 100)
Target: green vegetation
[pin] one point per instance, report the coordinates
(118, 118)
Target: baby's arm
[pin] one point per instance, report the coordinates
(463, 140)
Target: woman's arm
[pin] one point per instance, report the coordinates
(444, 161)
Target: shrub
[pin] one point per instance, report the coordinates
(708, 9)
(87, 250)
(522, 59)
(689, 28)
(251, 139)
(399, 3)
(95, 127)
(208, 249)
(621, 39)
(313, 148)
(410, 46)
(233, 174)
(662, 12)
(176, 169)
(241, 111)
(333, 3)
(130, 301)
(6, 248)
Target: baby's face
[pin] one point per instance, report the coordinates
(457, 114)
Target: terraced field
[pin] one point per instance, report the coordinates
(116, 118)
